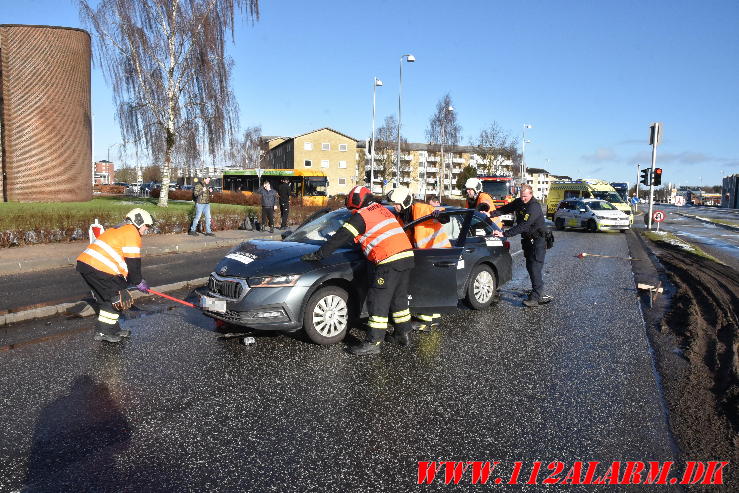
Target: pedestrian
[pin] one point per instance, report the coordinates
(390, 256)
(109, 265)
(428, 234)
(201, 194)
(283, 190)
(269, 205)
(530, 225)
(479, 200)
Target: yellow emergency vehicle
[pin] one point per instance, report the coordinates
(586, 188)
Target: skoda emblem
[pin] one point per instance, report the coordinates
(223, 270)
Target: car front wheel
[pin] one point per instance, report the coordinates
(559, 223)
(326, 317)
(592, 226)
(481, 288)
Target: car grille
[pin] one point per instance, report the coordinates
(227, 289)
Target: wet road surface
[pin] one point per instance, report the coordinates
(178, 407)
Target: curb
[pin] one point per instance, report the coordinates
(50, 311)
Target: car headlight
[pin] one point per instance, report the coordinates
(273, 281)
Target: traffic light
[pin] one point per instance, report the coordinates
(646, 173)
(657, 178)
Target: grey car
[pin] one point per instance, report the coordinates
(264, 284)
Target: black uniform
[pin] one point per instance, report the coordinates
(283, 190)
(530, 225)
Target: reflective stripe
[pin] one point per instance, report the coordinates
(376, 227)
(107, 317)
(131, 250)
(425, 241)
(426, 318)
(112, 254)
(102, 259)
(397, 256)
(402, 312)
(386, 234)
(377, 325)
(378, 319)
(351, 229)
(401, 319)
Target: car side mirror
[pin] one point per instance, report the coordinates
(285, 234)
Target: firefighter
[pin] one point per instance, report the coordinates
(390, 254)
(108, 266)
(530, 225)
(428, 234)
(479, 200)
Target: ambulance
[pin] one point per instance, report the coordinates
(585, 188)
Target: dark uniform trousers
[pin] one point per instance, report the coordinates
(534, 250)
(268, 216)
(284, 211)
(104, 289)
(388, 293)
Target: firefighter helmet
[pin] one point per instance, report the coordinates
(400, 195)
(358, 197)
(473, 184)
(139, 217)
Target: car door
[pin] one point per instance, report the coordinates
(433, 283)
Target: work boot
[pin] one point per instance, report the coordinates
(420, 326)
(192, 233)
(545, 299)
(399, 338)
(99, 336)
(365, 348)
(210, 234)
(530, 302)
(123, 333)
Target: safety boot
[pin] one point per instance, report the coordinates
(400, 338)
(192, 233)
(100, 336)
(365, 348)
(123, 333)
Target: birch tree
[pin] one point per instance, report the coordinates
(167, 64)
(497, 150)
(445, 131)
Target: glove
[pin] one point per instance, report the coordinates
(143, 286)
(124, 301)
(439, 216)
(483, 207)
(312, 257)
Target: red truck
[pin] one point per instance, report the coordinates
(502, 190)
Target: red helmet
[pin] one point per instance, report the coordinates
(358, 197)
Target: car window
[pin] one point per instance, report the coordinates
(479, 222)
(601, 205)
(609, 196)
(320, 229)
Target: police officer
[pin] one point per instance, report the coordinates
(428, 234)
(108, 266)
(530, 225)
(390, 253)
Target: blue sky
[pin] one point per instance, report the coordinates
(590, 76)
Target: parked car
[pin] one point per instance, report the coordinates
(590, 214)
(264, 284)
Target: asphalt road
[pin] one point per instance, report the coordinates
(720, 242)
(66, 285)
(178, 407)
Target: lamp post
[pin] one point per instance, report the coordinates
(447, 110)
(410, 59)
(523, 152)
(377, 82)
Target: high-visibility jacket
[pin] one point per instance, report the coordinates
(483, 198)
(383, 239)
(428, 234)
(109, 251)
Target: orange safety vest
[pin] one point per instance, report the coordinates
(428, 234)
(483, 198)
(109, 251)
(383, 239)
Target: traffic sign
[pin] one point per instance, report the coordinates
(658, 216)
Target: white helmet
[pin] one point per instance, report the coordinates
(473, 184)
(400, 195)
(139, 217)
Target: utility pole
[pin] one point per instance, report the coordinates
(655, 137)
(636, 187)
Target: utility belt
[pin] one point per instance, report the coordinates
(533, 236)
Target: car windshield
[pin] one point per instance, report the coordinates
(320, 229)
(496, 189)
(612, 197)
(601, 205)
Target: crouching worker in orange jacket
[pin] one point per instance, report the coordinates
(428, 234)
(390, 254)
(111, 264)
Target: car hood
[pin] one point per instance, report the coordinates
(611, 214)
(273, 257)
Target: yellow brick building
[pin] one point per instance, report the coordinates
(324, 150)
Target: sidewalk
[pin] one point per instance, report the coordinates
(18, 260)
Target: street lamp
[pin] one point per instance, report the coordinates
(523, 152)
(410, 59)
(447, 110)
(377, 82)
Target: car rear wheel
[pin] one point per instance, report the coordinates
(592, 226)
(481, 288)
(559, 223)
(326, 317)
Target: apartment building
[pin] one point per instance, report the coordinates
(103, 172)
(324, 150)
(540, 180)
(423, 170)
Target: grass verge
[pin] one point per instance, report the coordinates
(670, 239)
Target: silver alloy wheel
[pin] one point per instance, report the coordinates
(330, 315)
(483, 287)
